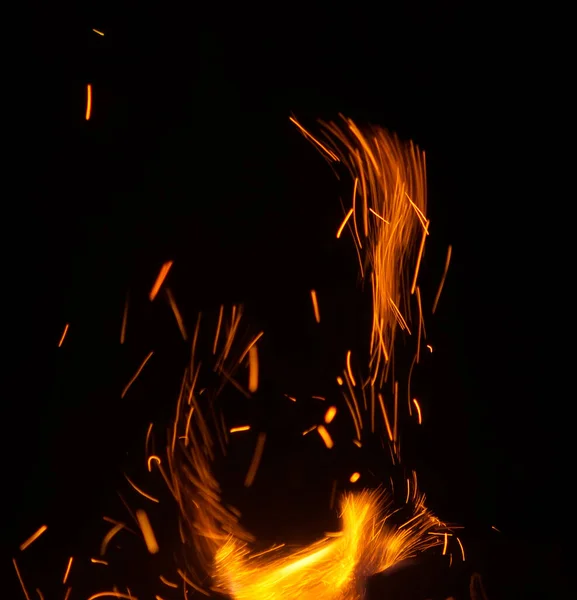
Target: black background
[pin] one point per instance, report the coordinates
(189, 156)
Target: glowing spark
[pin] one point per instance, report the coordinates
(355, 477)
(325, 436)
(20, 579)
(152, 458)
(148, 534)
(98, 32)
(319, 398)
(419, 258)
(332, 155)
(88, 101)
(135, 377)
(462, 549)
(419, 416)
(67, 595)
(99, 561)
(306, 431)
(168, 583)
(176, 314)
(430, 348)
(255, 462)
(291, 398)
(40, 595)
(33, 537)
(330, 414)
(63, 335)
(349, 370)
(108, 537)
(240, 428)
(124, 319)
(68, 570)
(386, 418)
(112, 594)
(253, 369)
(445, 544)
(447, 262)
(342, 226)
(494, 528)
(315, 306)
(160, 279)
(144, 494)
(379, 216)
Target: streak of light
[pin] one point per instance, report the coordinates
(316, 306)
(20, 579)
(379, 216)
(306, 431)
(272, 549)
(151, 458)
(218, 325)
(340, 380)
(147, 532)
(325, 436)
(68, 592)
(160, 279)
(141, 492)
(177, 315)
(68, 567)
(386, 418)
(419, 415)
(63, 335)
(135, 377)
(98, 32)
(330, 414)
(33, 537)
(99, 561)
(124, 319)
(108, 537)
(168, 583)
(319, 398)
(355, 477)
(255, 462)
(438, 295)
(349, 370)
(40, 595)
(291, 398)
(147, 440)
(247, 349)
(239, 428)
(253, 369)
(419, 258)
(430, 348)
(462, 549)
(190, 583)
(88, 102)
(495, 529)
(445, 544)
(112, 594)
(331, 154)
(357, 443)
(343, 224)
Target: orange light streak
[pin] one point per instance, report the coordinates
(98, 32)
(20, 579)
(99, 561)
(108, 537)
(332, 155)
(355, 477)
(142, 493)
(255, 462)
(315, 306)
(168, 583)
(419, 416)
(160, 279)
(68, 592)
(177, 315)
(33, 537)
(446, 269)
(253, 369)
(112, 594)
(330, 414)
(88, 102)
(124, 320)
(63, 335)
(147, 532)
(240, 428)
(325, 436)
(462, 549)
(349, 370)
(67, 573)
(135, 377)
(343, 224)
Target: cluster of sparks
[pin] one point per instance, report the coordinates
(387, 222)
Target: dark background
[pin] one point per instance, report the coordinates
(189, 156)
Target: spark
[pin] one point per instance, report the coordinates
(240, 428)
(255, 462)
(253, 369)
(20, 579)
(40, 595)
(355, 477)
(68, 567)
(124, 319)
(462, 549)
(177, 315)
(142, 493)
(445, 270)
(371, 210)
(108, 537)
(135, 377)
(168, 583)
(495, 529)
(318, 398)
(315, 306)
(63, 335)
(419, 416)
(98, 32)
(68, 592)
(430, 348)
(327, 439)
(112, 594)
(349, 370)
(99, 561)
(33, 537)
(147, 532)
(160, 280)
(332, 155)
(88, 101)
(330, 414)
(307, 431)
(343, 224)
